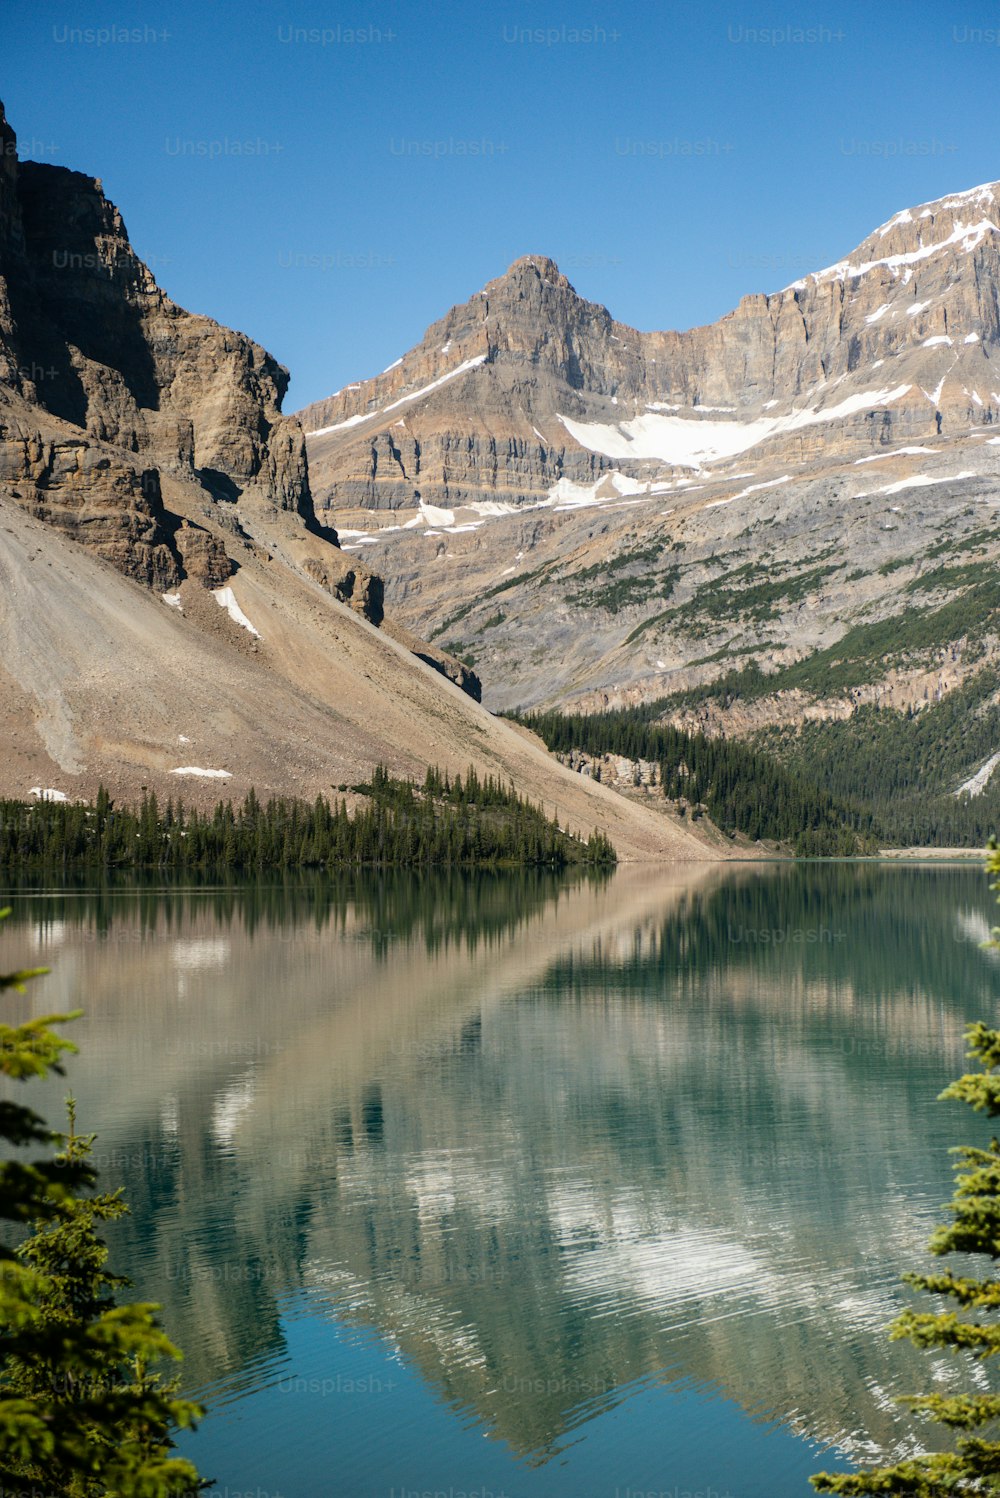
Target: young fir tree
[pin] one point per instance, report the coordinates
(973, 1466)
(80, 1413)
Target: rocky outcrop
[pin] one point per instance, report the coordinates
(350, 582)
(108, 505)
(110, 393)
(112, 354)
(439, 660)
(149, 435)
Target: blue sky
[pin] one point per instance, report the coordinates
(331, 177)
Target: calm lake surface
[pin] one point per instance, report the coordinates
(506, 1186)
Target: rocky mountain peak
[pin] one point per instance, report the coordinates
(147, 433)
(527, 268)
(527, 384)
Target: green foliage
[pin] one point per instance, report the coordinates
(462, 652)
(866, 650)
(517, 580)
(906, 766)
(612, 592)
(446, 823)
(973, 1466)
(742, 789)
(81, 1415)
(749, 592)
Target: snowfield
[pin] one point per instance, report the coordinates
(687, 443)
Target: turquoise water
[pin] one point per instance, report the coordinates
(501, 1186)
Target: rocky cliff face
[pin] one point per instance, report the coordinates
(527, 384)
(454, 420)
(151, 436)
(148, 434)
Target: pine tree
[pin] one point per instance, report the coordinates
(80, 1413)
(974, 1465)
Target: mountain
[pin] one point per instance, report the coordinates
(798, 500)
(548, 386)
(173, 615)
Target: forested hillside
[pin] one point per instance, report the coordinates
(743, 789)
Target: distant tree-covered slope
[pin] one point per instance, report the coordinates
(743, 789)
(908, 767)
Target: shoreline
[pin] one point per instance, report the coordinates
(932, 854)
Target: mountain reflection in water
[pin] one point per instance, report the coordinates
(554, 1143)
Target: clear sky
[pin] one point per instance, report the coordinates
(331, 177)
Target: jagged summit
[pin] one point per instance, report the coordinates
(532, 265)
(981, 192)
(527, 384)
(554, 492)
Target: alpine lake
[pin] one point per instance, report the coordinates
(511, 1186)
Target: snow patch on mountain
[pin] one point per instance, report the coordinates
(414, 395)
(687, 443)
(226, 599)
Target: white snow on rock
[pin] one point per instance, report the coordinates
(452, 374)
(203, 774)
(904, 216)
(716, 504)
(339, 426)
(971, 338)
(691, 443)
(226, 599)
(969, 236)
(434, 515)
(977, 783)
(937, 339)
(493, 507)
(881, 311)
(984, 193)
(414, 395)
(173, 601)
(920, 481)
(898, 452)
(565, 494)
(626, 485)
(46, 793)
(912, 311)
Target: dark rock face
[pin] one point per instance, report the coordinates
(151, 436)
(113, 355)
(107, 389)
(352, 583)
